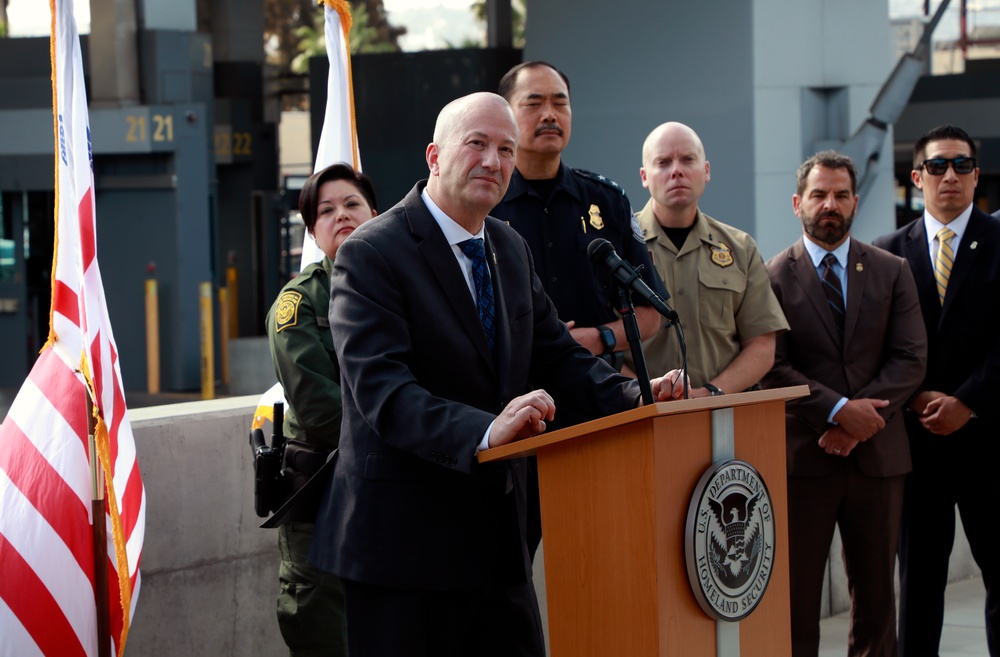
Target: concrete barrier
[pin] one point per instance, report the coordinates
(209, 574)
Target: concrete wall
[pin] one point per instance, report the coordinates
(635, 65)
(744, 75)
(812, 91)
(209, 574)
(251, 371)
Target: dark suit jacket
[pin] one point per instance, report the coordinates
(963, 334)
(963, 357)
(882, 355)
(408, 505)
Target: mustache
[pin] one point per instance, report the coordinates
(832, 213)
(548, 126)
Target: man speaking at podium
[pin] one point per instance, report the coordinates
(439, 323)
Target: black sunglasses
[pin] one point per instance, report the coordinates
(938, 166)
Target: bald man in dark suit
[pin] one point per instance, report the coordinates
(441, 328)
(857, 340)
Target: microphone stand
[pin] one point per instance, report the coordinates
(627, 311)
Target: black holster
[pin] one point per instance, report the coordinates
(301, 461)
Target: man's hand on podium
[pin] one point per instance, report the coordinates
(523, 417)
(670, 385)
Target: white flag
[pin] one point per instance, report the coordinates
(339, 140)
(337, 143)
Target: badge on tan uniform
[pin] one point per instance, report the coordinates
(287, 312)
(596, 220)
(721, 255)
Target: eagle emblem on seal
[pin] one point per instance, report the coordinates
(736, 540)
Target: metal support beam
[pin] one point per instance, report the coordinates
(114, 57)
(499, 24)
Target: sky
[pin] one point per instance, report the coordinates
(31, 17)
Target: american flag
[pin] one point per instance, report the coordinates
(47, 563)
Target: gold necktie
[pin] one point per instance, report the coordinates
(944, 261)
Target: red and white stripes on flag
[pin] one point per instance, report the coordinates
(337, 143)
(47, 578)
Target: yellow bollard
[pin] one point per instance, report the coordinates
(152, 336)
(233, 291)
(224, 335)
(207, 350)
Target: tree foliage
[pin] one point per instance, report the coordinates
(294, 27)
(363, 37)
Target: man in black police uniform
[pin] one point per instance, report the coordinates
(560, 211)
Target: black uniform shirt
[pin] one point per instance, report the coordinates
(582, 207)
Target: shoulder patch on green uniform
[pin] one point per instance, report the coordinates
(287, 312)
(596, 177)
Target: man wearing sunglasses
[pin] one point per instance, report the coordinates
(954, 253)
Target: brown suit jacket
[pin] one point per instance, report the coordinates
(882, 355)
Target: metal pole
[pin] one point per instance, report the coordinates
(207, 342)
(499, 24)
(152, 335)
(224, 335)
(100, 534)
(233, 292)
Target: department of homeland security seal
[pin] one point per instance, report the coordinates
(729, 540)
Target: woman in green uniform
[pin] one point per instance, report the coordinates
(333, 202)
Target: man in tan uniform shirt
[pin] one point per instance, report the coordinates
(714, 273)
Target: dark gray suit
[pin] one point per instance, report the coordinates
(881, 355)
(408, 506)
(960, 468)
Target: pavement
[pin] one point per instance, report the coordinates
(964, 633)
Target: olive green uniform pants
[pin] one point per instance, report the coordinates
(311, 601)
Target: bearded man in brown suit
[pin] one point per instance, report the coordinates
(858, 341)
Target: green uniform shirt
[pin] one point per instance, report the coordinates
(298, 330)
(720, 289)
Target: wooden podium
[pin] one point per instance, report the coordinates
(614, 497)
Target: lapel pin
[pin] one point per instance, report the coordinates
(859, 267)
(974, 245)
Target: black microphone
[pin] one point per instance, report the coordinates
(602, 252)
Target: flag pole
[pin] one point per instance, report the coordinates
(100, 531)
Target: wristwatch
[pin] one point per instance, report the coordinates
(714, 390)
(607, 339)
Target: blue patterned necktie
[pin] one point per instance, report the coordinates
(833, 290)
(475, 251)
